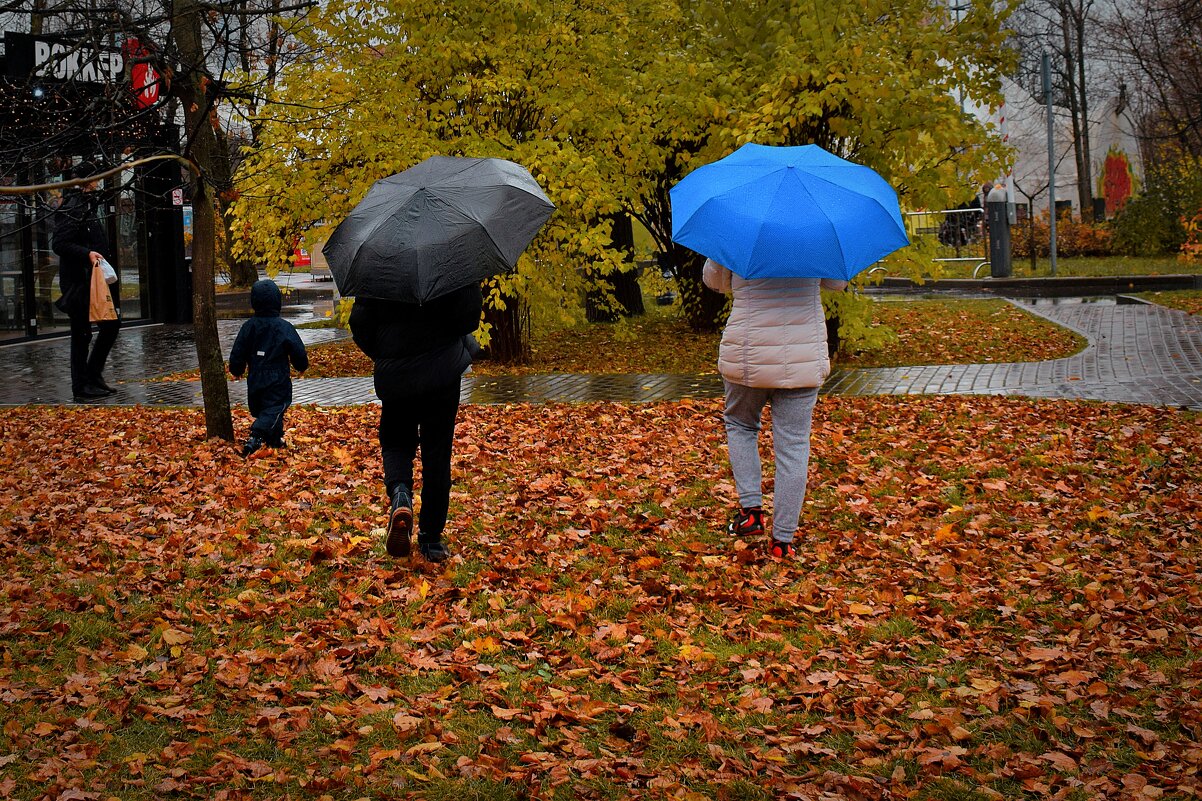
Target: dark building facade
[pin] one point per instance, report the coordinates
(61, 104)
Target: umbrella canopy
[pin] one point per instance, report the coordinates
(787, 212)
(438, 226)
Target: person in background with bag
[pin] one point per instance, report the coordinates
(82, 247)
(266, 344)
(421, 352)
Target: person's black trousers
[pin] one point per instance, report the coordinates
(427, 420)
(86, 368)
(267, 406)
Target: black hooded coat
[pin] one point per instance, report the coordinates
(266, 344)
(418, 348)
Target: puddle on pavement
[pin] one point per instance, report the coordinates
(1100, 300)
(297, 312)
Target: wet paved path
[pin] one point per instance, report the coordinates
(1137, 354)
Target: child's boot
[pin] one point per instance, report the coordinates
(252, 445)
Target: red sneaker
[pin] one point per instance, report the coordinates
(781, 550)
(748, 522)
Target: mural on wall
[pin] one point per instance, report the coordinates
(1117, 181)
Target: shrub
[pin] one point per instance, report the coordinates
(1073, 237)
(1153, 222)
(1191, 249)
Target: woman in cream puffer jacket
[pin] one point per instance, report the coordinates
(773, 351)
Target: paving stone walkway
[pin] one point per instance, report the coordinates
(1137, 353)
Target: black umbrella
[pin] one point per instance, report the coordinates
(437, 226)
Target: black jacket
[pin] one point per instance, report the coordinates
(418, 347)
(267, 343)
(78, 232)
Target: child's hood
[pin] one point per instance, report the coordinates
(265, 298)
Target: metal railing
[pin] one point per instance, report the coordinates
(962, 233)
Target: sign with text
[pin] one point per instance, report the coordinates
(48, 57)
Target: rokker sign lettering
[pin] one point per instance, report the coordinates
(69, 63)
(54, 59)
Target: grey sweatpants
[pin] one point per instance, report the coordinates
(792, 416)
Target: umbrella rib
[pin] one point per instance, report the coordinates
(818, 205)
(403, 224)
(838, 241)
(424, 188)
(462, 168)
(829, 182)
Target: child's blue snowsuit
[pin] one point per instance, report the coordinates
(264, 347)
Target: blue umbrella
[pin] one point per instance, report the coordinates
(787, 212)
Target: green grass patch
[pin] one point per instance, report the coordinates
(1186, 300)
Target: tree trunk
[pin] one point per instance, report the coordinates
(1031, 232)
(1076, 106)
(509, 331)
(242, 273)
(618, 294)
(704, 309)
(1085, 172)
(627, 291)
(626, 287)
(614, 296)
(37, 17)
(201, 147)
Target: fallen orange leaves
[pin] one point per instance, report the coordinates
(994, 597)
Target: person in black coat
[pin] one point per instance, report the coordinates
(265, 346)
(80, 243)
(420, 352)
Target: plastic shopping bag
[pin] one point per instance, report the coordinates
(110, 275)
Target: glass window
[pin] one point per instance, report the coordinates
(131, 254)
(12, 284)
(45, 262)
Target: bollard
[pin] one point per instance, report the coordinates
(998, 217)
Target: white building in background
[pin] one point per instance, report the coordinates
(1023, 121)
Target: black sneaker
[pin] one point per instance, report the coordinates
(88, 393)
(99, 381)
(252, 445)
(433, 550)
(400, 523)
(749, 522)
(781, 550)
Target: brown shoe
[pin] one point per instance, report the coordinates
(400, 523)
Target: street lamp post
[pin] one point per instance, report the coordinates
(1046, 74)
(957, 8)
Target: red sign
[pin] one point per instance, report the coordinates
(145, 82)
(144, 79)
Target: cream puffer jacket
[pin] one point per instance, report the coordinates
(776, 335)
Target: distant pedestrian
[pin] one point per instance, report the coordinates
(81, 245)
(773, 351)
(421, 352)
(265, 346)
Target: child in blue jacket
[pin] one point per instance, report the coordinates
(265, 346)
